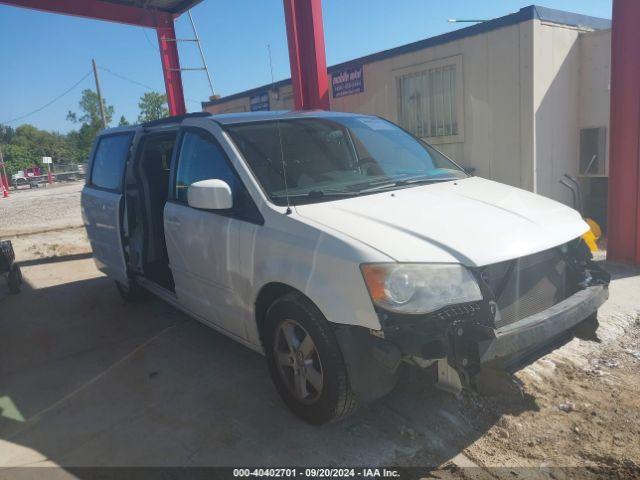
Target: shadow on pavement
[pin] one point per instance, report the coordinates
(63, 258)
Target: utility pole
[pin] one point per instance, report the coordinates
(95, 75)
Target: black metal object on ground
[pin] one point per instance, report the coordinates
(9, 267)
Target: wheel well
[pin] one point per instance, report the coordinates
(268, 294)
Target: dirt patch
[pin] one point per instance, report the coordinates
(587, 416)
(567, 416)
(40, 209)
(56, 243)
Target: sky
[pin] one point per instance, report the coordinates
(42, 55)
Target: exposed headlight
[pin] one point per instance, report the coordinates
(418, 288)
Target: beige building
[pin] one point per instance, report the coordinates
(522, 99)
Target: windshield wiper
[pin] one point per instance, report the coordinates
(319, 194)
(406, 181)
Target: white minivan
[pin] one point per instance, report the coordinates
(339, 246)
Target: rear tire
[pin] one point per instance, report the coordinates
(131, 293)
(320, 391)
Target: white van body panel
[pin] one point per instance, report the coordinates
(101, 215)
(322, 264)
(473, 221)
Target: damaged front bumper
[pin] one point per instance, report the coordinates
(520, 337)
(481, 359)
(466, 344)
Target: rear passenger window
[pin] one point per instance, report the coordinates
(109, 160)
(201, 159)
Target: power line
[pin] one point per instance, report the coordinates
(127, 79)
(149, 41)
(50, 102)
(140, 84)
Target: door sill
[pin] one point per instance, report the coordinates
(157, 289)
(172, 299)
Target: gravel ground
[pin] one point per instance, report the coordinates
(40, 209)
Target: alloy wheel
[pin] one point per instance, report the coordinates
(298, 361)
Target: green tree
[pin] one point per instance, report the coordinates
(16, 158)
(123, 121)
(90, 110)
(90, 120)
(6, 134)
(153, 106)
(24, 147)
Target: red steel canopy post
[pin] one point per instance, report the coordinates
(170, 64)
(623, 238)
(132, 15)
(305, 37)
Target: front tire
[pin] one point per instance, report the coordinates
(305, 361)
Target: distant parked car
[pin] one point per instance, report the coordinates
(340, 246)
(31, 176)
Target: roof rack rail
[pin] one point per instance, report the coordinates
(175, 119)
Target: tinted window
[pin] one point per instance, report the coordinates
(201, 158)
(109, 160)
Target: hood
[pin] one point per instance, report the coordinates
(472, 221)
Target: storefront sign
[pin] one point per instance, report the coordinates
(347, 82)
(259, 102)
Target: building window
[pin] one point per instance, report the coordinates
(428, 102)
(593, 151)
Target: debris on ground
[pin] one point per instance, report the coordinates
(567, 407)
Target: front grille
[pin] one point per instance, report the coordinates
(527, 285)
(456, 311)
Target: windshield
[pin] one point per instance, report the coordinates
(325, 158)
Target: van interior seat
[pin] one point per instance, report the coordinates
(157, 190)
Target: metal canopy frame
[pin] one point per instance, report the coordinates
(304, 33)
(623, 239)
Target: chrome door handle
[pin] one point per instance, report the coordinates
(173, 220)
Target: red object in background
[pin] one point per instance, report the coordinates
(623, 235)
(305, 36)
(170, 64)
(32, 172)
(4, 181)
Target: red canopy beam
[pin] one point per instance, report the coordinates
(95, 9)
(623, 232)
(305, 37)
(171, 65)
(163, 22)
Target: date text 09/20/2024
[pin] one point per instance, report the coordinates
(316, 473)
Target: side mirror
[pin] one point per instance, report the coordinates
(211, 194)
